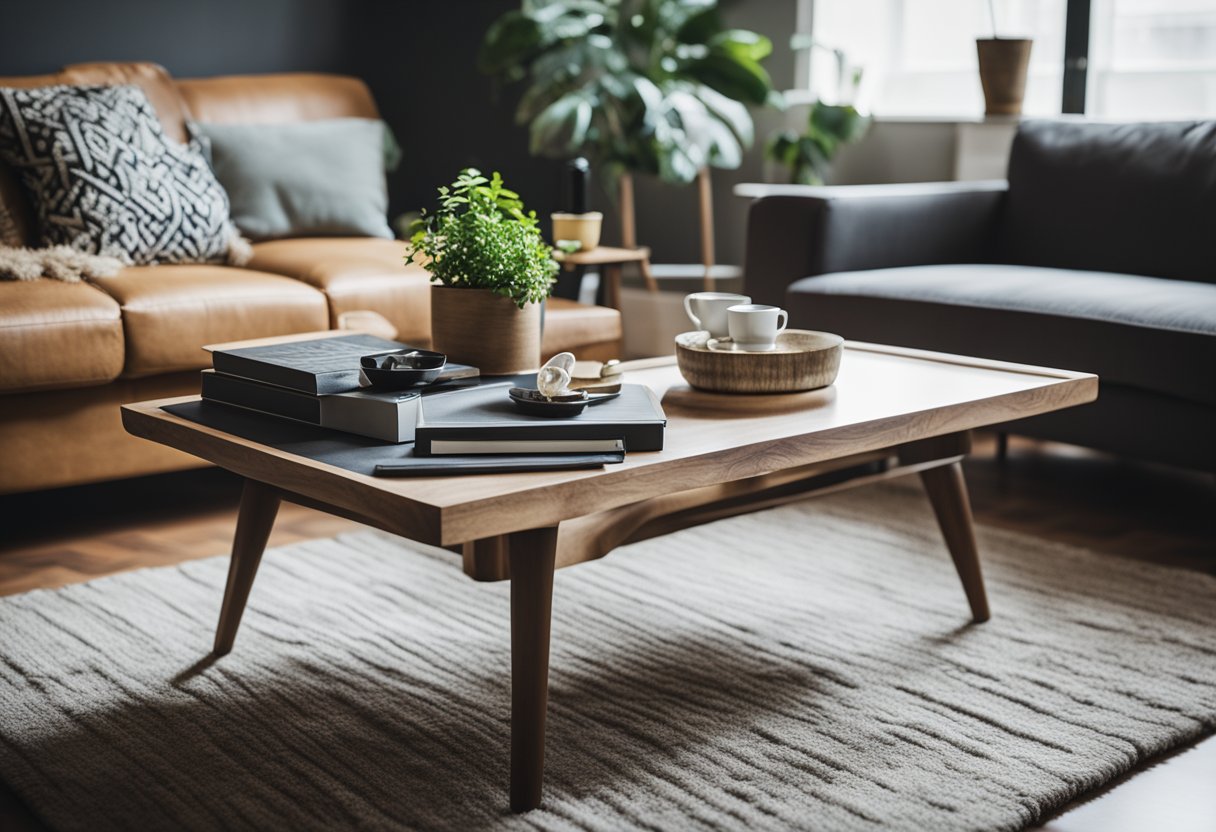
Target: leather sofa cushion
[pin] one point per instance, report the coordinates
(1128, 198)
(170, 312)
(570, 326)
(356, 273)
(276, 99)
(1144, 332)
(55, 334)
(152, 78)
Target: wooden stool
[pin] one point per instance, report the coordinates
(610, 260)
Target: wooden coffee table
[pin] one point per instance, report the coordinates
(891, 412)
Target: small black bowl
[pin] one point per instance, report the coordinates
(402, 369)
(531, 402)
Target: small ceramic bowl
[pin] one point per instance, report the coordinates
(402, 369)
(562, 407)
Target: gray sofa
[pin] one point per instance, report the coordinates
(1097, 254)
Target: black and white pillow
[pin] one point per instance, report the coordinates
(105, 179)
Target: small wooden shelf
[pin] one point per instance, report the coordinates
(611, 259)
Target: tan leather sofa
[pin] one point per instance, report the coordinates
(70, 354)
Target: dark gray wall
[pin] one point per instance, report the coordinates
(419, 60)
(190, 38)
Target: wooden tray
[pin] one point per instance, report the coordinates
(803, 360)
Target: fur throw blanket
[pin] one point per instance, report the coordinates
(71, 266)
(58, 262)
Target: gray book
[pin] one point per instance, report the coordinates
(316, 366)
(388, 416)
(483, 420)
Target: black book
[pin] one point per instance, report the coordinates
(388, 415)
(483, 420)
(446, 466)
(316, 366)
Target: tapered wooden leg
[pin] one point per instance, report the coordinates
(948, 493)
(259, 505)
(652, 285)
(532, 555)
(611, 275)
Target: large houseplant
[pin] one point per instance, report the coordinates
(646, 86)
(655, 86)
(492, 272)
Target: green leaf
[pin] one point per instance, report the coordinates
(730, 111)
(742, 44)
(841, 122)
(562, 127)
(740, 79)
(724, 149)
(700, 27)
(511, 39)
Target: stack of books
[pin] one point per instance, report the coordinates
(461, 423)
(317, 380)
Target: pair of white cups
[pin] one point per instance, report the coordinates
(752, 327)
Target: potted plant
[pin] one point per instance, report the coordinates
(1003, 65)
(492, 272)
(808, 155)
(648, 86)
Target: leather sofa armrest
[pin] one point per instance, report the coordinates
(797, 231)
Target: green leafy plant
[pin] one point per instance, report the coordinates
(652, 86)
(481, 238)
(808, 155)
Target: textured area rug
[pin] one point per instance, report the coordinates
(809, 667)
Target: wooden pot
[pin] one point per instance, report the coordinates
(1003, 64)
(485, 330)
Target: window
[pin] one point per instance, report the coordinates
(1147, 59)
(1152, 59)
(918, 57)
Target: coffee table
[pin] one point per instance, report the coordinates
(892, 412)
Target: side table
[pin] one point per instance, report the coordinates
(610, 260)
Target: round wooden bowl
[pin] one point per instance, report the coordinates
(803, 360)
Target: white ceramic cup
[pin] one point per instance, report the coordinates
(753, 327)
(707, 310)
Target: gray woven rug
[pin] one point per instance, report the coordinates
(810, 667)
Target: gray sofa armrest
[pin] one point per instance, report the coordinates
(796, 231)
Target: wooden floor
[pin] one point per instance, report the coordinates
(1056, 492)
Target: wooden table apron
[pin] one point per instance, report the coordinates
(523, 527)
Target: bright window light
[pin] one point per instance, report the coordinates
(1152, 59)
(918, 57)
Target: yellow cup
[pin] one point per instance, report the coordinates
(585, 228)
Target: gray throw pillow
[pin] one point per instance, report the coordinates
(105, 179)
(312, 178)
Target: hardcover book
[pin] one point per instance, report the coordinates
(389, 416)
(483, 420)
(317, 366)
(446, 466)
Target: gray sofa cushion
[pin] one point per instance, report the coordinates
(1144, 332)
(303, 179)
(1128, 198)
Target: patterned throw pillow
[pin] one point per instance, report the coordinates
(105, 179)
(9, 235)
